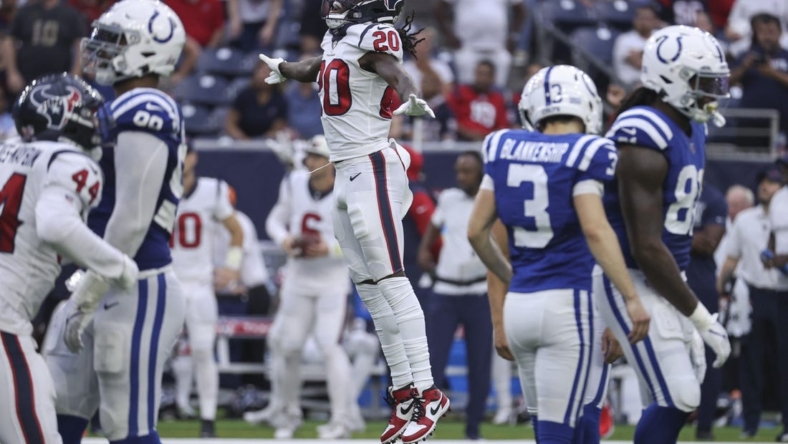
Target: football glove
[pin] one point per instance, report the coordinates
(414, 107)
(698, 356)
(713, 333)
(276, 75)
(81, 308)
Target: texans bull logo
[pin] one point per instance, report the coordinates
(55, 107)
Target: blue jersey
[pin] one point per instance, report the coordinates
(151, 111)
(647, 127)
(534, 176)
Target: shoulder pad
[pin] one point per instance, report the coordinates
(491, 145)
(642, 127)
(148, 110)
(74, 170)
(376, 37)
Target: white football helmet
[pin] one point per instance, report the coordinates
(134, 38)
(318, 145)
(561, 90)
(684, 64)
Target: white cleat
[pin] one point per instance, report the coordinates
(284, 433)
(259, 416)
(355, 421)
(503, 416)
(333, 430)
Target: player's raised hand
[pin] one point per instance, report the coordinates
(276, 75)
(640, 320)
(414, 107)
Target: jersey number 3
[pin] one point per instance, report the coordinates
(534, 208)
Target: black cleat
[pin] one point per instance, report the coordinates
(207, 429)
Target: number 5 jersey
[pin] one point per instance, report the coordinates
(356, 103)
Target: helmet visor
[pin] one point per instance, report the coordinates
(712, 85)
(104, 44)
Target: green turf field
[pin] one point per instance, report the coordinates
(447, 429)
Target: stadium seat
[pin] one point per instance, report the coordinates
(204, 89)
(219, 116)
(597, 41)
(616, 13)
(566, 15)
(228, 62)
(287, 35)
(199, 121)
(238, 84)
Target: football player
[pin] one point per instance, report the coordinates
(205, 203)
(49, 183)
(129, 336)
(314, 293)
(359, 74)
(660, 133)
(546, 187)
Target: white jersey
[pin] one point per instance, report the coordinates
(253, 271)
(28, 265)
(299, 211)
(192, 239)
(356, 103)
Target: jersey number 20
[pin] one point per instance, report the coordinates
(334, 81)
(535, 208)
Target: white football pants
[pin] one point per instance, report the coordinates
(661, 361)
(300, 316)
(27, 403)
(550, 335)
(127, 346)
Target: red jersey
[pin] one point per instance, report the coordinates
(201, 18)
(483, 113)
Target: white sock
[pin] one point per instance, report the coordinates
(337, 381)
(182, 370)
(289, 381)
(410, 320)
(388, 333)
(207, 375)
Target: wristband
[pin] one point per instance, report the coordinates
(701, 318)
(235, 256)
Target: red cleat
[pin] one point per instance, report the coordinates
(402, 406)
(606, 424)
(430, 405)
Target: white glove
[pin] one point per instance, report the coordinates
(82, 307)
(276, 75)
(698, 356)
(128, 277)
(713, 334)
(414, 107)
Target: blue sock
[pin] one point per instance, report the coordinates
(587, 430)
(535, 422)
(660, 425)
(71, 428)
(554, 433)
(151, 438)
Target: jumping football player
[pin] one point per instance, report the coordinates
(359, 74)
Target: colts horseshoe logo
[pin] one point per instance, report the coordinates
(169, 36)
(662, 40)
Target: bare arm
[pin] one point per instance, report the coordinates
(706, 240)
(737, 73)
(641, 173)
(304, 71)
(425, 258)
(726, 273)
(444, 13)
(191, 53)
(496, 294)
(483, 217)
(236, 231)
(604, 246)
(387, 67)
(231, 125)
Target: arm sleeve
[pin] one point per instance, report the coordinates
(733, 241)
(438, 216)
(276, 223)
(224, 208)
(140, 165)
(60, 224)
(778, 216)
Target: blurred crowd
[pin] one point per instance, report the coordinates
(474, 58)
